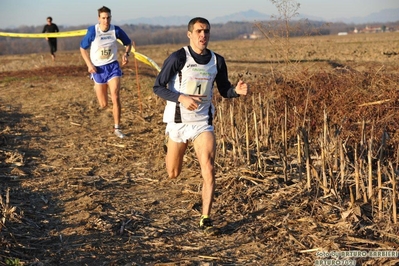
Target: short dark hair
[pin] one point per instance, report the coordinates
(103, 9)
(191, 23)
(50, 18)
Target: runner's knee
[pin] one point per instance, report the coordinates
(103, 105)
(173, 174)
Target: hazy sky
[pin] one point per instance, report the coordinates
(14, 13)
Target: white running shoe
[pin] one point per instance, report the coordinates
(118, 133)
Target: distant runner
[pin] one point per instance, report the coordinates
(52, 42)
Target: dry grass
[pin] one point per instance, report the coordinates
(307, 163)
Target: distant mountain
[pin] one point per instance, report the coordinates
(383, 16)
(162, 21)
(246, 16)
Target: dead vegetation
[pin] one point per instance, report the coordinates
(306, 164)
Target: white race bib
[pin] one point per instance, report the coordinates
(104, 53)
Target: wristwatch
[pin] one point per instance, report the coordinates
(127, 54)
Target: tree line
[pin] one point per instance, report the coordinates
(143, 34)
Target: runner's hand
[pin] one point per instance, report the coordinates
(242, 88)
(125, 59)
(91, 69)
(191, 102)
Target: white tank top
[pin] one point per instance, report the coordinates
(195, 79)
(104, 48)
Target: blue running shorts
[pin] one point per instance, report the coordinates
(106, 72)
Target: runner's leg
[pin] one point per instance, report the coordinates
(174, 157)
(102, 94)
(205, 148)
(114, 87)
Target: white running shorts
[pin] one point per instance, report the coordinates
(180, 132)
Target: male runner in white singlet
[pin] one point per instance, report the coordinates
(186, 83)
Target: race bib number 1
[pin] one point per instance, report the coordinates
(199, 88)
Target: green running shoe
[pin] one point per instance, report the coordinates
(206, 226)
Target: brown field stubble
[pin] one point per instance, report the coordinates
(73, 194)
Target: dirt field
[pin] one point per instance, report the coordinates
(74, 194)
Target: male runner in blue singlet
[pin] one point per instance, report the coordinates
(102, 62)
